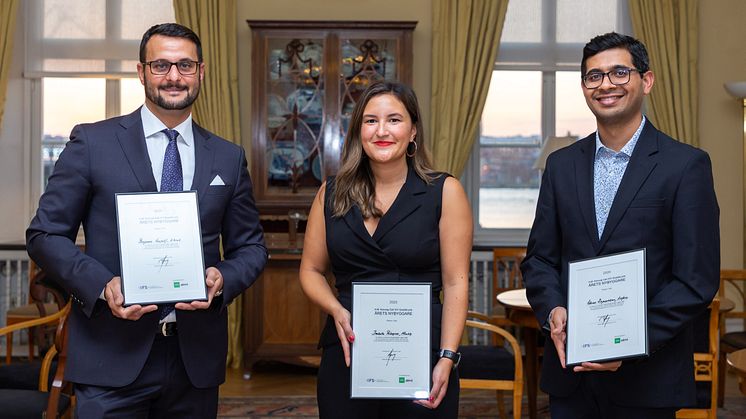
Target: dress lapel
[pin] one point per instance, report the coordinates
(354, 220)
(407, 201)
(640, 165)
(132, 140)
(584, 183)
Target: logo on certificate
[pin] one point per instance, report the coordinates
(177, 284)
(402, 380)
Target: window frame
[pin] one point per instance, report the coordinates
(527, 56)
(112, 49)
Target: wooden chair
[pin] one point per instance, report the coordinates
(493, 367)
(44, 298)
(731, 282)
(705, 364)
(506, 275)
(24, 403)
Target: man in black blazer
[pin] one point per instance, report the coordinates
(148, 361)
(627, 186)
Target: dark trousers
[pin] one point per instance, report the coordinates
(333, 395)
(162, 390)
(591, 401)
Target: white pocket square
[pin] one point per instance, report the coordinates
(217, 181)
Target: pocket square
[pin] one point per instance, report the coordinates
(217, 181)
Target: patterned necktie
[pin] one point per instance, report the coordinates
(171, 180)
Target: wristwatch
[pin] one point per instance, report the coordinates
(453, 356)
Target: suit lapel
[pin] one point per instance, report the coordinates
(407, 201)
(203, 159)
(641, 163)
(132, 140)
(584, 183)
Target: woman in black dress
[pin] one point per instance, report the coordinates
(388, 217)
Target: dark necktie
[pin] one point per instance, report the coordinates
(171, 180)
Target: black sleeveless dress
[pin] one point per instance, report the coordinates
(404, 248)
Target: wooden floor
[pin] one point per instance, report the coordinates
(276, 379)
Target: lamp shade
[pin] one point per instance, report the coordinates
(737, 89)
(551, 144)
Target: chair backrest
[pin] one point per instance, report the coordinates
(42, 289)
(706, 363)
(515, 384)
(506, 268)
(732, 283)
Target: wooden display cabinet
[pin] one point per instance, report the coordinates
(306, 79)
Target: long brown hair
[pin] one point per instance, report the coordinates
(355, 183)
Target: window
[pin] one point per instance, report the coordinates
(534, 93)
(82, 66)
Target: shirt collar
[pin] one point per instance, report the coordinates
(151, 125)
(628, 148)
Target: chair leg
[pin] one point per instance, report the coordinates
(9, 348)
(501, 404)
(31, 333)
(722, 370)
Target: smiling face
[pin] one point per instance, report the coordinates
(611, 104)
(171, 91)
(386, 129)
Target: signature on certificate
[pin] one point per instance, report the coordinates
(163, 262)
(603, 320)
(390, 356)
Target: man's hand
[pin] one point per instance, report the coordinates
(557, 327)
(214, 282)
(115, 299)
(592, 366)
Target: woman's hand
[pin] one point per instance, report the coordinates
(441, 374)
(344, 331)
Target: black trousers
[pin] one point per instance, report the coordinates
(591, 401)
(162, 390)
(333, 395)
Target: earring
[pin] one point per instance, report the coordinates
(410, 155)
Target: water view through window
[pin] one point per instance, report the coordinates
(511, 140)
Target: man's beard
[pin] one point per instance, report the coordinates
(153, 94)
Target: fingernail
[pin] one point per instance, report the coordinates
(431, 399)
(351, 338)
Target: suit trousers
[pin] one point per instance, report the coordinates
(333, 395)
(591, 400)
(161, 390)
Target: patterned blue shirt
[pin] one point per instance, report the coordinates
(608, 169)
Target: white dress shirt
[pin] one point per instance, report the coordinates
(157, 141)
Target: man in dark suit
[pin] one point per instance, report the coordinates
(627, 186)
(148, 361)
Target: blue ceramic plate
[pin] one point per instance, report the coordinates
(316, 167)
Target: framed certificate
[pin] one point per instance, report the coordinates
(391, 352)
(160, 247)
(607, 308)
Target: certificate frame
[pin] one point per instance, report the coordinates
(607, 308)
(391, 354)
(160, 247)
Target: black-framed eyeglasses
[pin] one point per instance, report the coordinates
(617, 77)
(162, 67)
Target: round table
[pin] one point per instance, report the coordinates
(737, 360)
(519, 312)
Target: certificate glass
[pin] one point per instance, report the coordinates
(607, 308)
(160, 248)
(391, 352)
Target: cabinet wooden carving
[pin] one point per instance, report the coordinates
(306, 78)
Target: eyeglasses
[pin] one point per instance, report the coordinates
(162, 67)
(617, 77)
